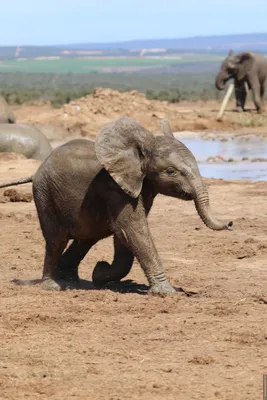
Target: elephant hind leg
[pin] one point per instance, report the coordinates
(256, 91)
(53, 251)
(120, 267)
(70, 260)
(56, 240)
(262, 92)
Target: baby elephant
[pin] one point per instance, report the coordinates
(87, 191)
(24, 139)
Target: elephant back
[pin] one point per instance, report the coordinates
(25, 139)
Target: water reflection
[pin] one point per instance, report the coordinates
(229, 171)
(237, 149)
(202, 149)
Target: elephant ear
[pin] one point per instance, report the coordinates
(122, 149)
(166, 128)
(244, 63)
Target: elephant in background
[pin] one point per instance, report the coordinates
(24, 139)
(86, 191)
(245, 68)
(6, 114)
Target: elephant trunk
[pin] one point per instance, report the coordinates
(220, 81)
(203, 208)
(11, 118)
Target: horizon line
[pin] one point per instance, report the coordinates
(136, 40)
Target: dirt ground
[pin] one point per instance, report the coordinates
(120, 343)
(85, 116)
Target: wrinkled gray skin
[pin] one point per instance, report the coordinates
(86, 191)
(244, 67)
(6, 114)
(24, 139)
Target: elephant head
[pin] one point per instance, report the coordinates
(6, 114)
(132, 154)
(234, 66)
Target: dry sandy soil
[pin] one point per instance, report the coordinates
(85, 116)
(120, 343)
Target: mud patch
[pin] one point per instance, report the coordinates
(17, 196)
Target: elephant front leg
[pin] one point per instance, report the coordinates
(132, 229)
(240, 95)
(120, 267)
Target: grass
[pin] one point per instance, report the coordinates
(93, 65)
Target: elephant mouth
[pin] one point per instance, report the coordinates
(178, 194)
(184, 196)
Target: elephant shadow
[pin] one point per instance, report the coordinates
(125, 286)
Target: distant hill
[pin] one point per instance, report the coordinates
(157, 47)
(252, 41)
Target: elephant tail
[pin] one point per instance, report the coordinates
(14, 183)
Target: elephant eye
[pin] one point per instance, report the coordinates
(171, 171)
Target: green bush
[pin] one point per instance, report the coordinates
(19, 88)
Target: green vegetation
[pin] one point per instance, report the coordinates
(19, 87)
(61, 74)
(91, 65)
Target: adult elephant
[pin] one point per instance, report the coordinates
(6, 114)
(25, 139)
(245, 67)
(86, 191)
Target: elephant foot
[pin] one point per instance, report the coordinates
(50, 284)
(239, 109)
(101, 273)
(162, 289)
(71, 278)
(61, 284)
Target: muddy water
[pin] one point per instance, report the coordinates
(242, 152)
(244, 170)
(229, 159)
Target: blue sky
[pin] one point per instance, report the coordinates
(71, 21)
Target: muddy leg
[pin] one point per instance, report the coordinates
(256, 95)
(120, 267)
(134, 234)
(70, 260)
(53, 252)
(240, 95)
(262, 97)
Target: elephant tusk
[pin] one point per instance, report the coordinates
(225, 101)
